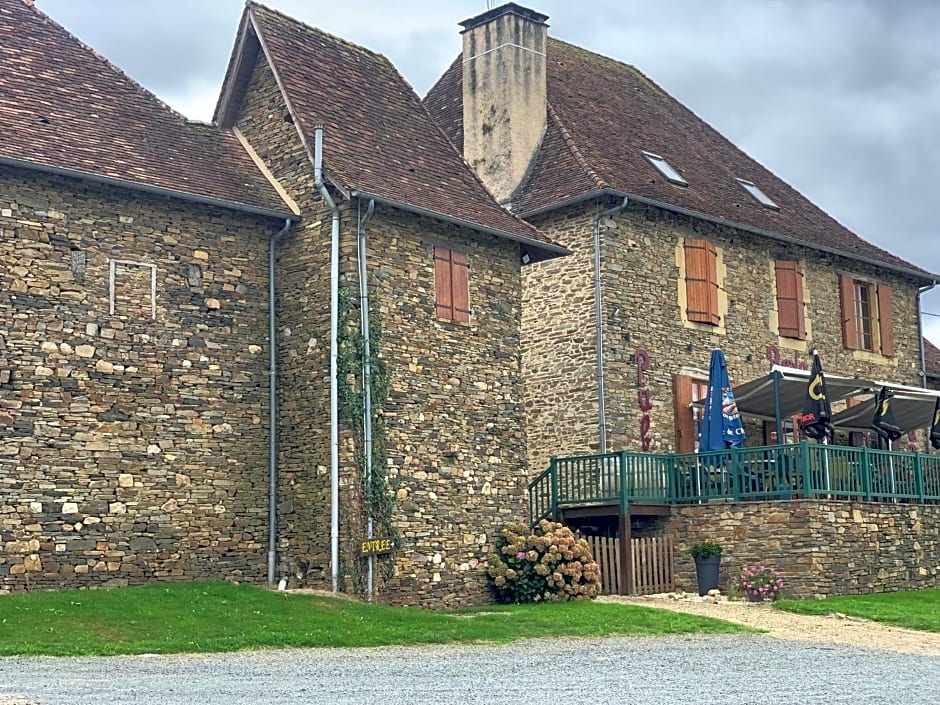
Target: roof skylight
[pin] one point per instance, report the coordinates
(758, 195)
(663, 167)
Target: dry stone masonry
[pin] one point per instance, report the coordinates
(132, 448)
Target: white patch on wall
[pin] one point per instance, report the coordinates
(132, 289)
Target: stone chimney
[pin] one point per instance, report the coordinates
(503, 94)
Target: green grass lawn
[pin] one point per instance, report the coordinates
(919, 609)
(201, 617)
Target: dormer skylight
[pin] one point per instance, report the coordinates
(758, 195)
(662, 166)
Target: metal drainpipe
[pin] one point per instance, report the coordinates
(366, 373)
(272, 404)
(599, 327)
(920, 341)
(334, 355)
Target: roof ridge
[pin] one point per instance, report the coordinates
(339, 40)
(573, 148)
(103, 59)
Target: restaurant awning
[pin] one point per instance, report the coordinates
(756, 398)
(912, 406)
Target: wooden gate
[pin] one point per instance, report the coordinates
(651, 561)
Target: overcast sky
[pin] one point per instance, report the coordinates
(839, 97)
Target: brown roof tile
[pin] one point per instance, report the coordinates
(64, 106)
(603, 114)
(931, 359)
(377, 137)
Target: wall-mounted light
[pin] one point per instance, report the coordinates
(689, 348)
(525, 258)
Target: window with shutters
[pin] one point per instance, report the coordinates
(867, 320)
(452, 285)
(701, 281)
(791, 319)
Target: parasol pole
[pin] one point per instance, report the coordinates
(775, 376)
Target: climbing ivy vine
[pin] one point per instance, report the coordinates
(351, 397)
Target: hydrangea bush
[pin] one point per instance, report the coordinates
(760, 582)
(547, 563)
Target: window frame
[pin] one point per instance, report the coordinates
(867, 318)
(665, 169)
(755, 192)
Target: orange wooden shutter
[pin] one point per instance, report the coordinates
(847, 295)
(701, 281)
(460, 282)
(791, 320)
(685, 423)
(443, 287)
(885, 320)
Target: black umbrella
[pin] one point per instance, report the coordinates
(935, 426)
(884, 422)
(817, 412)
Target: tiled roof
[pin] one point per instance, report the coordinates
(603, 114)
(931, 359)
(377, 137)
(64, 107)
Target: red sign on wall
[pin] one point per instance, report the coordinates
(645, 399)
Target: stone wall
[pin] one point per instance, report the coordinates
(455, 419)
(303, 315)
(455, 416)
(558, 344)
(133, 445)
(820, 547)
(641, 310)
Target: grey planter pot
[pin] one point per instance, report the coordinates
(706, 573)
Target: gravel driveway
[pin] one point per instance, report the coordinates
(723, 670)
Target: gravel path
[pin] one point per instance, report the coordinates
(802, 660)
(834, 629)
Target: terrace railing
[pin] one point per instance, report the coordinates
(760, 473)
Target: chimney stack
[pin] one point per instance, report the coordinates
(503, 94)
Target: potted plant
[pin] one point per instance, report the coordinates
(707, 555)
(759, 583)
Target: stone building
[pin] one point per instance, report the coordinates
(146, 430)
(681, 243)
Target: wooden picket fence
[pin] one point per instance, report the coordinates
(651, 560)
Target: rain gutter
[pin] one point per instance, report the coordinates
(366, 379)
(272, 402)
(920, 340)
(601, 193)
(334, 356)
(546, 246)
(599, 327)
(147, 188)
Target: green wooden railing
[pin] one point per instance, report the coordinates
(762, 473)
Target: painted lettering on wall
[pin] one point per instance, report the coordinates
(775, 358)
(644, 398)
(374, 547)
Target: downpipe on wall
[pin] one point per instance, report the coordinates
(366, 376)
(272, 402)
(920, 341)
(599, 326)
(334, 356)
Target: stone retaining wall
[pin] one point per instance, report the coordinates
(820, 547)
